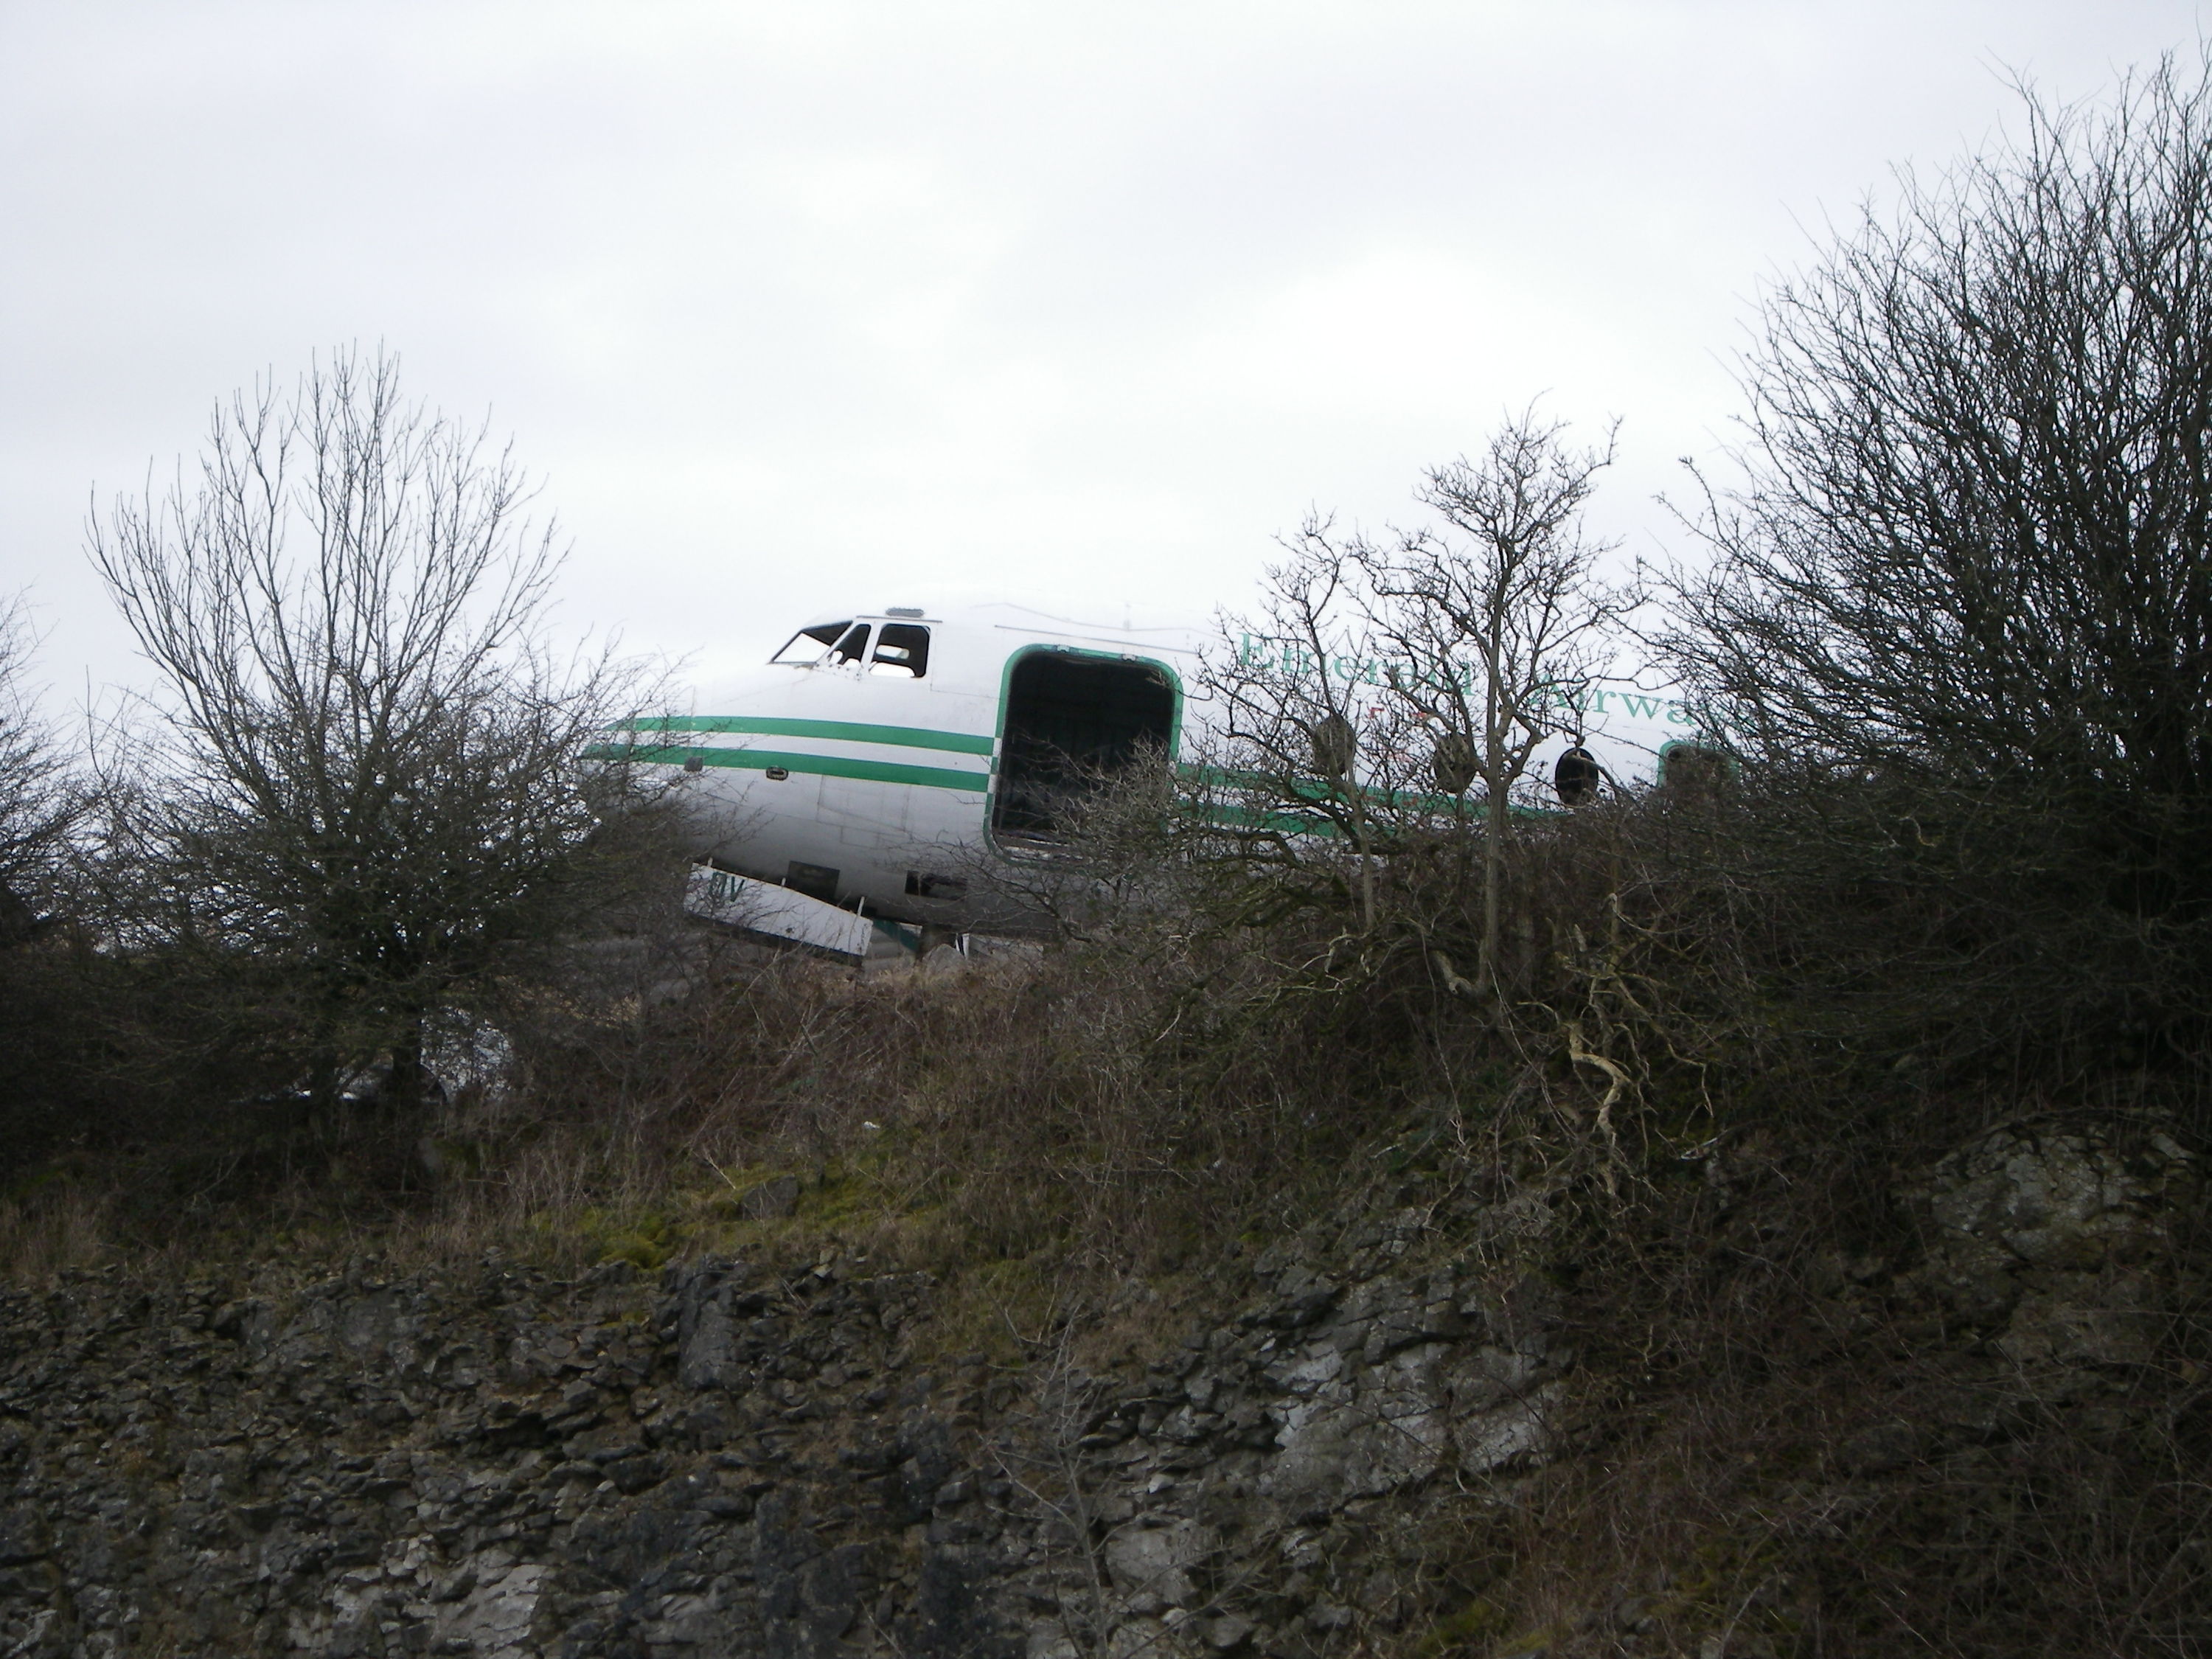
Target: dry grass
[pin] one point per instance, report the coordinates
(44, 1231)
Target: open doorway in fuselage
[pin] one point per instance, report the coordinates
(1069, 717)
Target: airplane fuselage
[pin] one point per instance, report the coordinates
(881, 761)
(879, 755)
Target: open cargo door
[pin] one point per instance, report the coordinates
(1070, 718)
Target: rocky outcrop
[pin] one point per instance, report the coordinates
(2056, 1245)
(735, 1460)
(490, 1464)
(1217, 1503)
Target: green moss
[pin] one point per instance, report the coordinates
(1000, 1308)
(845, 1195)
(1479, 1623)
(645, 1237)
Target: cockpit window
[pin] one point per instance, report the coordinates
(844, 642)
(901, 648)
(808, 645)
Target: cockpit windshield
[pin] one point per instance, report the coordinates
(902, 648)
(830, 644)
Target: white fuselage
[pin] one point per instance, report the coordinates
(863, 781)
(883, 761)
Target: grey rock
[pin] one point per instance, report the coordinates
(1518, 1432)
(24, 1535)
(2056, 1199)
(772, 1199)
(1361, 1434)
(2050, 1236)
(495, 1618)
(1228, 1630)
(713, 1308)
(1157, 1560)
(1301, 1298)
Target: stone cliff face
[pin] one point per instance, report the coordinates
(729, 1460)
(732, 1462)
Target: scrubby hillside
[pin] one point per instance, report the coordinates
(1133, 1298)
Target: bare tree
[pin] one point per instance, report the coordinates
(1382, 679)
(372, 760)
(1515, 596)
(1970, 557)
(39, 802)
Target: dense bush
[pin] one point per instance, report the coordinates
(1959, 608)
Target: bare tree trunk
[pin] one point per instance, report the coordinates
(1366, 858)
(411, 1079)
(1493, 892)
(1497, 785)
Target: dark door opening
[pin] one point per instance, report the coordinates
(1069, 720)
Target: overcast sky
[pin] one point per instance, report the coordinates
(809, 305)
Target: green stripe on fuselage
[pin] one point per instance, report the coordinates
(903, 737)
(828, 766)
